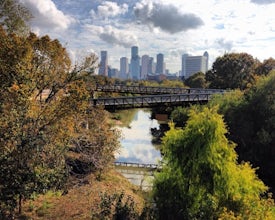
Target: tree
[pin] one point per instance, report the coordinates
(179, 116)
(196, 81)
(231, 71)
(14, 17)
(250, 117)
(201, 178)
(265, 67)
(94, 143)
(43, 103)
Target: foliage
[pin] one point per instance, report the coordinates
(172, 83)
(250, 117)
(266, 67)
(232, 70)
(201, 177)
(14, 17)
(94, 143)
(43, 104)
(196, 81)
(116, 207)
(180, 115)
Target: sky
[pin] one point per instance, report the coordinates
(170, 27)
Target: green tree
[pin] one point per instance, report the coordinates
(201, 178)
(196, 81)
(251, 120)
(14, 17)
(265, 67)
(179, 116)
(232, 70)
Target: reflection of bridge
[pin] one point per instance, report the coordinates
(139, 174)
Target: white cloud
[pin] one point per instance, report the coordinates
(109, 9)
(46, 15)
(115, 36)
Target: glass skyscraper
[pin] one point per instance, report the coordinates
(135, 63)
(103, 68)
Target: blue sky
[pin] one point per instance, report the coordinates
(171, 27)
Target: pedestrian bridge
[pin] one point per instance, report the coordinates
(163, 96)
(153, 90)
(137, 165)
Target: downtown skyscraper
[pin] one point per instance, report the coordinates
(160, 64)
(135, 64)
(124, 68)
(103, 66)
(145, 59)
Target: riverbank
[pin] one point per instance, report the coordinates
(83, 199)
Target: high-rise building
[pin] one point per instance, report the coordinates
(160, 64)
(194, 64)
(205, 54)
(103, 67)
(144, 66)
(124, 68)
(113, 73)
(135, 63)
(151, 66)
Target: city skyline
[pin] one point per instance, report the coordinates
(142, 66)
(170, 27)
(153, 62)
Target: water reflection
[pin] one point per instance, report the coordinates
(136, 143)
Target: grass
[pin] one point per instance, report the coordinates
(82, 198)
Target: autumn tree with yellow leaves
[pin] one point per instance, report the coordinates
(45, 114)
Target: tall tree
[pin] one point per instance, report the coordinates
(201, 178)
(41, 97)
(251, 120)
(14, 17)
(231, 71)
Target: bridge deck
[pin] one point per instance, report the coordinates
(151, 100)
(153, 89)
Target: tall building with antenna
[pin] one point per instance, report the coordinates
(135, 64)
(103, 66)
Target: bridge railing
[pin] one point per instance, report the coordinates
(153, 89)
(148, 100)
(138, 165)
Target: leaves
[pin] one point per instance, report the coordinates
(41, 96)
(14, 17)
(233, 70)
(200, 164)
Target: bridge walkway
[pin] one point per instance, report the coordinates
(150, 90)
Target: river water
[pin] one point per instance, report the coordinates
(136, 141)
(136, 145)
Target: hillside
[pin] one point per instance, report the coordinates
(82, 199)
